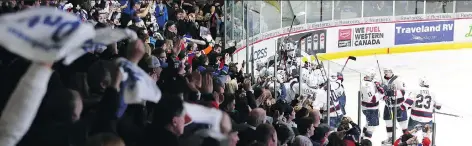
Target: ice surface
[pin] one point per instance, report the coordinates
(450, 76)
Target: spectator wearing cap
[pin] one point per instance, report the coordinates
(320, 133)
(154, 67)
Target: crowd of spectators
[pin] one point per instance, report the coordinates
(83, 103)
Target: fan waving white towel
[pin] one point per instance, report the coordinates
(43, 34)
(137, 86)
(103, 37)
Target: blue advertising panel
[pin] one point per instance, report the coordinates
(424, 32)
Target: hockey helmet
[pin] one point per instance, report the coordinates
(371, 73)
(333, 76)
(281, 75)
(271, 71)
(388, 72)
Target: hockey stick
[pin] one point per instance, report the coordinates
(447, 114)
(347, 60)
(378, 66)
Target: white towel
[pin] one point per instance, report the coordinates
(103, 37)
(43, 34)
(201, 114)
(137, 86)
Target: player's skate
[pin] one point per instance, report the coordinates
(387, 142)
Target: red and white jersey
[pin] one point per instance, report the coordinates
(395, 83)
(321, 103)
(422, 104)
(370, 96)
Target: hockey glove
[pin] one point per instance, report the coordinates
(402, 107)
(379, 88)
(340, 77)
(385, 98)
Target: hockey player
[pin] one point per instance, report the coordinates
(321, 103)
(422, 106)
(371, 93)
(291, 80)
(394, 98)
(339, 89)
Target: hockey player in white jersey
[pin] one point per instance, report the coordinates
(341, 96)
(371, 93)
(321, 103)
(336, 86)
(422, 104)
(394, 93)
(306, 91)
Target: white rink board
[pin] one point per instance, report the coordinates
(449, 76)
(463, 30)
(384, 29)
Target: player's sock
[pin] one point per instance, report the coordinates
(367, 133)
(389, 131)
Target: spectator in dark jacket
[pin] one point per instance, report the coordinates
(256, 118)
(168, 123)
(285, 134)
(350, 130)
(60, 115)
(214, 18)
(306, 128)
